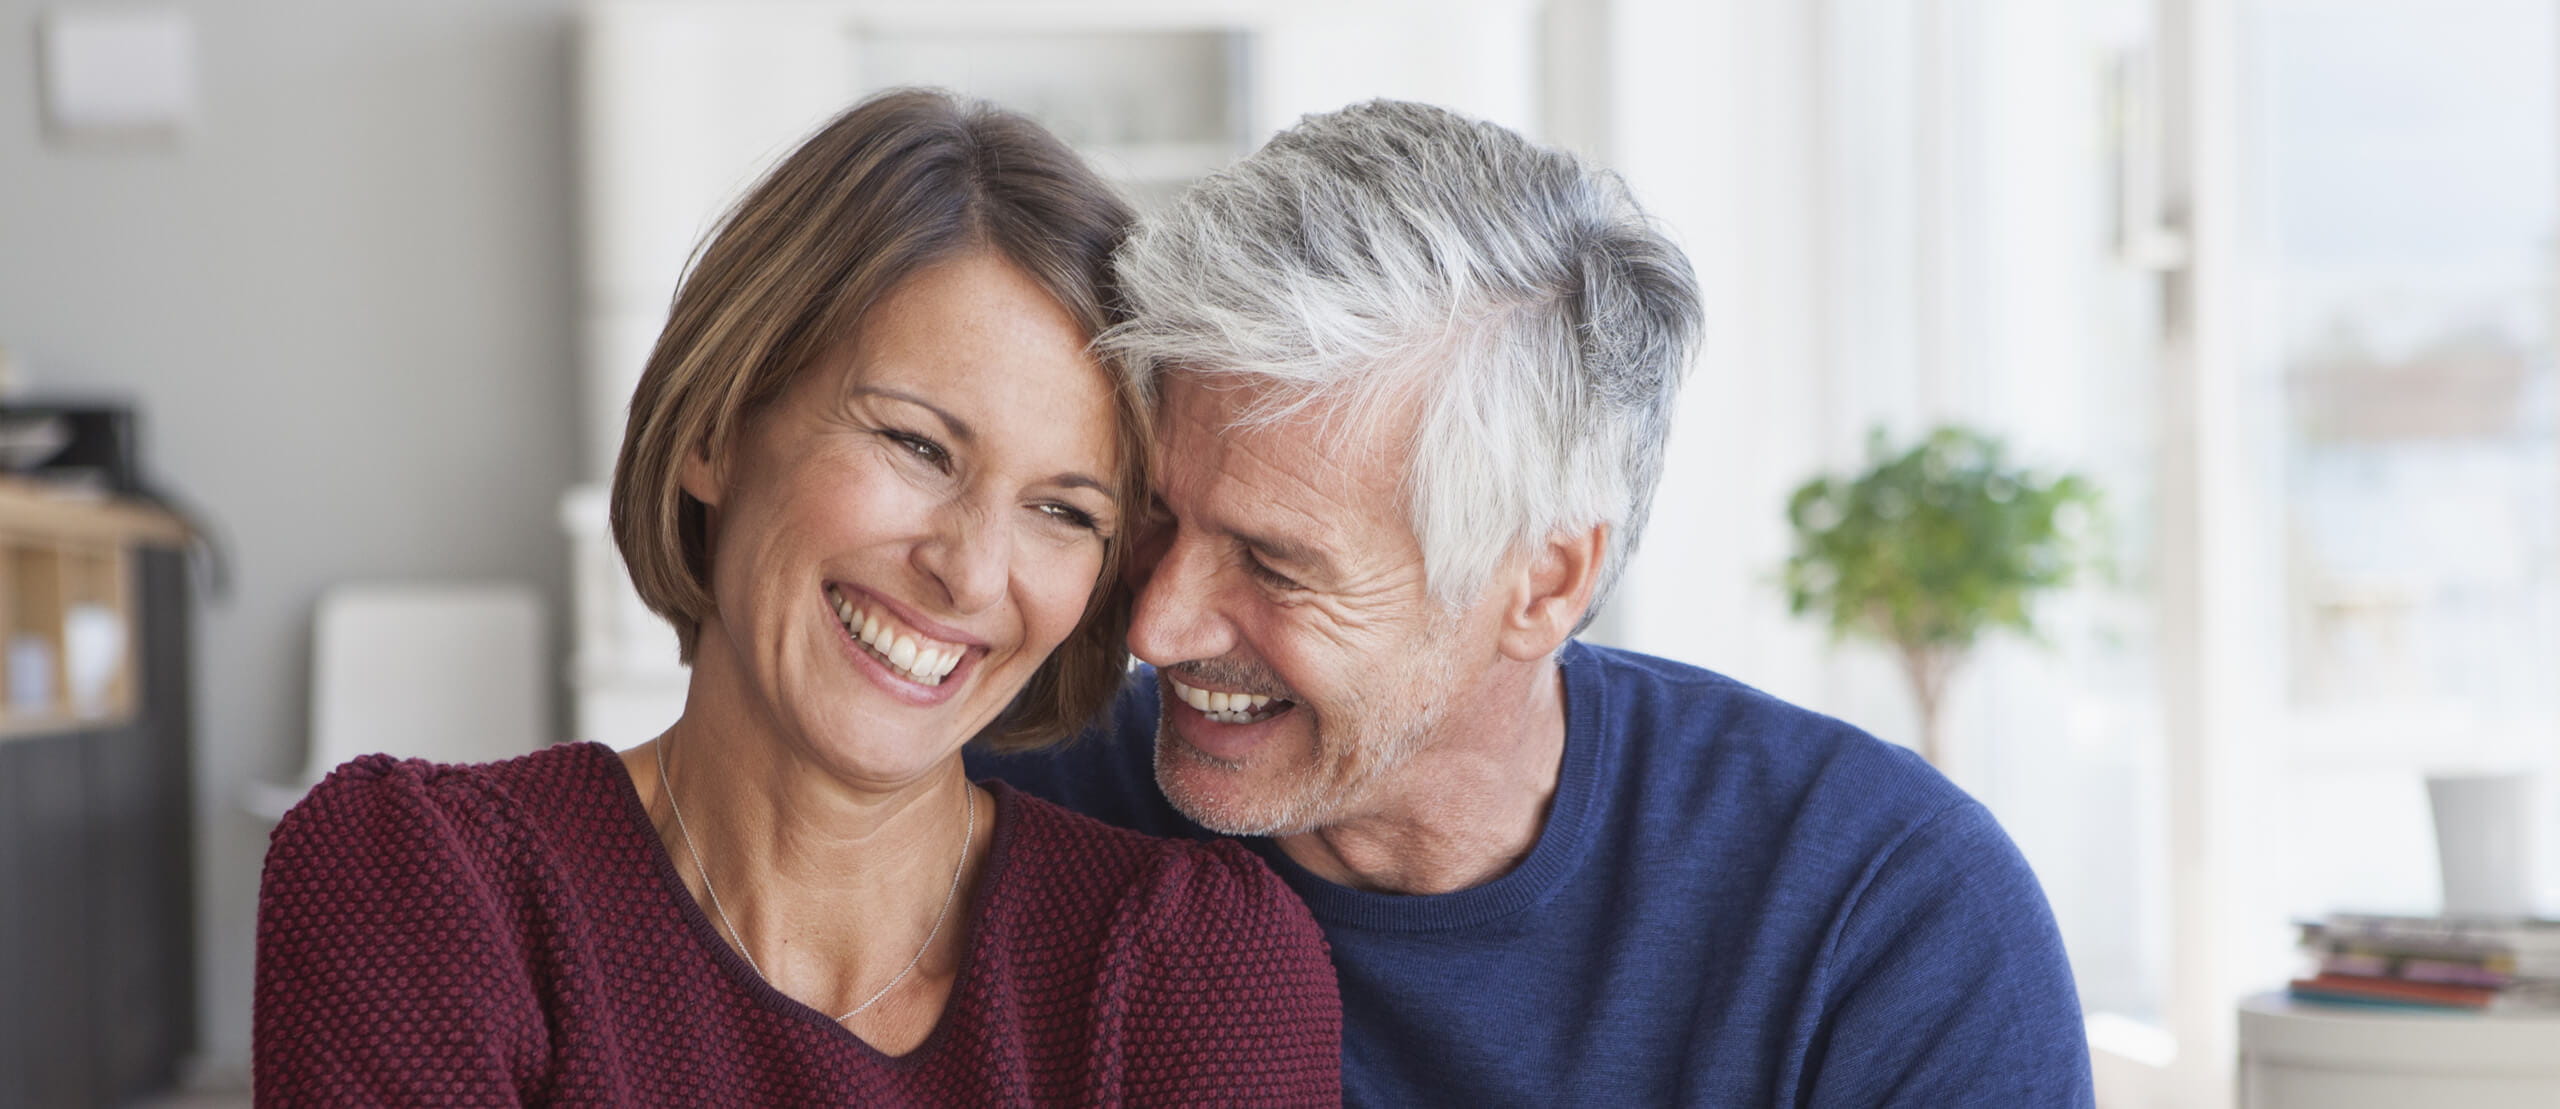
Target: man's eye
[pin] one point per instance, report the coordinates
(925, 450)
(1254, 565)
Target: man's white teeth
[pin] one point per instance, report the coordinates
(1226, 708)
(921, 658)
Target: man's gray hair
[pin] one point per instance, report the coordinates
(1394, 253)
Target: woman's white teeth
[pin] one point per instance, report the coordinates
(920, 658)
(1225, 708)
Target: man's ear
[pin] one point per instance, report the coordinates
(1550, 589)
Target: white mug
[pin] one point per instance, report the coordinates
(2488, 842)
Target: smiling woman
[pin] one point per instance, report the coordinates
(932, 476)
(875, 477)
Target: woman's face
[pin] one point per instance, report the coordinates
(901, 539)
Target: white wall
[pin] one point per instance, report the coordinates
(343, 305)
(1710, 109)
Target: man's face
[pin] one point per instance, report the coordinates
(1288, 573)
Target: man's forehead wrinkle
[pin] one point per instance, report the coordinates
(1296, 479)
(1322, 475)
(1214, 444)
(1252, 492)
(1269, 486)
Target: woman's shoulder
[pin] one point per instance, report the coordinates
(380, 802)
(557, 760)
(402, 894)
(1158, 886)
(1213, 979)
(1116, 855)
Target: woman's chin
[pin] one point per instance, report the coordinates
(875, 740)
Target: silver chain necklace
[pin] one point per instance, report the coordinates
(969, 832)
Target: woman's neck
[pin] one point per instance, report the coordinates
(829, 887)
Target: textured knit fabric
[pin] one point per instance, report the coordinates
(515, 933)
(1734, 902)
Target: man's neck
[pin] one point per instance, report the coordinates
(1467, 808)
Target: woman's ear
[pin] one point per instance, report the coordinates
(700, 477)
(1550, 589)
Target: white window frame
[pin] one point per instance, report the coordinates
(1726, 117)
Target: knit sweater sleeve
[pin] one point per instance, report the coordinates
(1948, 984)
(390, 969)
(1232, 1000)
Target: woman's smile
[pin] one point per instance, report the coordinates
(921, 665)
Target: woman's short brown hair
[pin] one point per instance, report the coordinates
(899, 182)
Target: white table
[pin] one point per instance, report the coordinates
(2296, 1055)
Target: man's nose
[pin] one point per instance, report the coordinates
(1178, 617)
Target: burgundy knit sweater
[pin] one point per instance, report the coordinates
(515, 933)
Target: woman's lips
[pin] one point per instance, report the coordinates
(950, 663)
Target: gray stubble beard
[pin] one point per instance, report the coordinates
(1316, 800)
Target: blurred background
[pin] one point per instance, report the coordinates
(356, 294)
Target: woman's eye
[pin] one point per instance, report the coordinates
(925, 450)
(1071, 515)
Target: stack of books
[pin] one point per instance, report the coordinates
(2429, 962)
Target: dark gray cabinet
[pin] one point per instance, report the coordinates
(97, 903)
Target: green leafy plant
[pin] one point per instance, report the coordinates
(1931, 547)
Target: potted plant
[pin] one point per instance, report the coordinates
(1929, 548)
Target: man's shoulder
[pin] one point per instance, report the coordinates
(1839, 838)
(1690, 731)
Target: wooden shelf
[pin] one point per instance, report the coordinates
(32, 508)
(67, 620)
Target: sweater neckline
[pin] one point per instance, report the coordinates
(1560, 848)
(964, 982)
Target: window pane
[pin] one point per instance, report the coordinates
(2069, 729)
(2404, 157)
(1981, 278)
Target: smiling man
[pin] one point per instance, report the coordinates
(1414, 380)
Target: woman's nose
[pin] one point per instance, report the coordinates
(969, 556)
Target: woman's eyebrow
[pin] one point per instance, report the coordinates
(958, 427)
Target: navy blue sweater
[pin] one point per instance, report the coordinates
(1734, 901)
